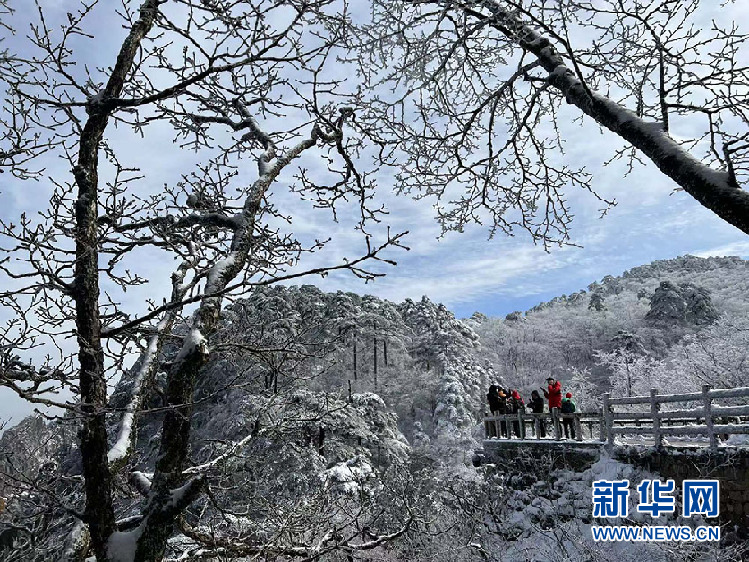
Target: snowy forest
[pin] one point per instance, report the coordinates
(179, 180)
(338, 413)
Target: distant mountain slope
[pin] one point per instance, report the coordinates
(727, 279)
(659, 304)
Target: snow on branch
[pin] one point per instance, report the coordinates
(211, 546)
(148, 365)
(715, 189)
(232, 450)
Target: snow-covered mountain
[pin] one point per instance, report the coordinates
(338, 413)
(312, 398)
(667, 317)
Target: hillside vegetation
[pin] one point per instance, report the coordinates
(334, 419)
(681, 321)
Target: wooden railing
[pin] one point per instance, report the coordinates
(705, 415)
(706, 419)
(526, 424)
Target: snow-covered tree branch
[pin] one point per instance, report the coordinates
(233, 82)
(477, 115)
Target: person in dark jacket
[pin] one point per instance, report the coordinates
(515, 404)
(568, 407)
(537, 407)
(502, 411)
(493, 398)
(536, 403)
(494, 406)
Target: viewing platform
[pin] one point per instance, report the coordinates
(700, 419)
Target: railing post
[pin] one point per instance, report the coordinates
(521, 424)
(537, 426)
(578, 426)
(609, 417)
(487, 431)
(555, 423)
(603, 426)
(655, 408)
(707, 402)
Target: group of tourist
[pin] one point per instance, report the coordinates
(503, 402)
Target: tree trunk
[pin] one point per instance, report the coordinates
(170, 494)
(629, 378)
(355, 366)
(374, 360)
(175, 438)
(99, 511)
(321, 441)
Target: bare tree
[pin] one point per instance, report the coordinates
(238, 83)
(251, 82)
(470, 101)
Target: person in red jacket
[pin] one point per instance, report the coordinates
(554, 394)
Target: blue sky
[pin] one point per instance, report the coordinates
(468, 272)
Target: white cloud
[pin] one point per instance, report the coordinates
(740, 249)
